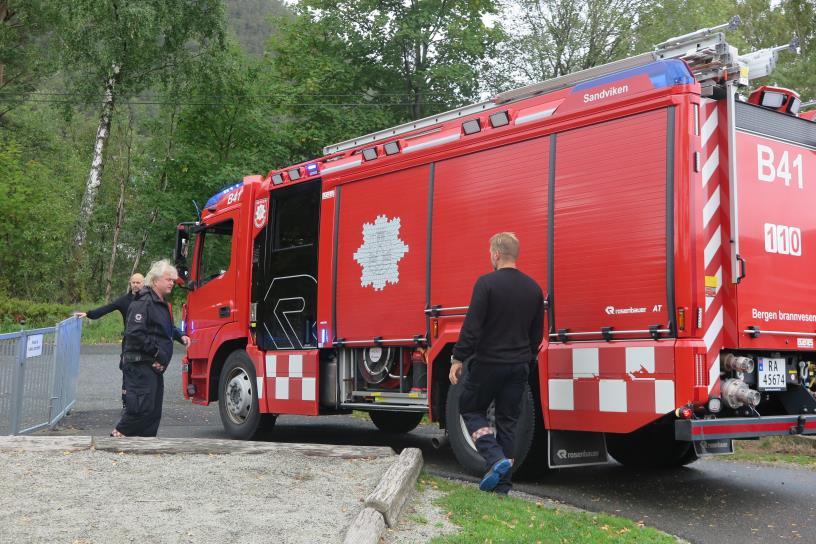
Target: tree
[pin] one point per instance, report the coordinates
(551, 38)
(768, 24)
(408, 58)
(662, 20)
(24, 42)
(120, 48)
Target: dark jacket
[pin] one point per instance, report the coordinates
(121, 305)
(149, 329)
(505, 319)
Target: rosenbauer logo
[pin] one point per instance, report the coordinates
(611, 310)
(564, 454)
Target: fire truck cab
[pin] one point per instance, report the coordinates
(667, 220)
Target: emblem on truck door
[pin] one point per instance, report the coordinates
(260, 213)
(380, 253)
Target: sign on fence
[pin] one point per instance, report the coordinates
(34, 346)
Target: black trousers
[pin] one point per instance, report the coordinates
(504, 385)
(144, 395)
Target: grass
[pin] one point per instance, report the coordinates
(105, 330)
(487, 518)
(776, 449)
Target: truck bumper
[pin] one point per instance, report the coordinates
(694, 430)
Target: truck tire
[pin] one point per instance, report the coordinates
(238, 399)
(396, 422)
(652, 446)
(462, 444)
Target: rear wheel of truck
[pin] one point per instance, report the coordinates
(462, 444)
(652, 446)
(238, 398)
(396, 422)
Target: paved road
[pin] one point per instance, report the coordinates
(708, 502)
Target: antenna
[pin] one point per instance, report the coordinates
(198, 211)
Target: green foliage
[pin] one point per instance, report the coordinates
(144, 40)
(345, 69)
(551, 38)
(24, 46)
(17, 314)
(250, 24)
(37, 199)
(485, 517)
(661, 20)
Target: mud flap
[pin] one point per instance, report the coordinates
(576, 449)
(721, 446)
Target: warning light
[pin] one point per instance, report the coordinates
(684, 413)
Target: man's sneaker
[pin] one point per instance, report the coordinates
(491, 479)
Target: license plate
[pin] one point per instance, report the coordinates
(771, 374)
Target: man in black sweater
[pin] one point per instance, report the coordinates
(121, 304)
(148, 348)
(502, 332)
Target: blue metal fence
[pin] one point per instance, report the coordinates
(38, 376)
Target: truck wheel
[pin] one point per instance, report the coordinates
(653, 446)
(238, 398)
(396, 422)
(462, 443)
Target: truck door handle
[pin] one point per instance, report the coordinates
(224, 311)
(742, 270)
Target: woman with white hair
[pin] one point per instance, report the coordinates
(148, 348)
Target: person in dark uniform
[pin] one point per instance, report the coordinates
(121, 305)
(502, 332)
(148, 348)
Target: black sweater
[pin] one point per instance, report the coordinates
(121, 305)
(505, 320)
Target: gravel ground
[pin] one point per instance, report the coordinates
(99, 497)
(421, 520)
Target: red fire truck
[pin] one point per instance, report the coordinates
(668, 220)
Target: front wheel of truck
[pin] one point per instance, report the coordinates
(238, 398)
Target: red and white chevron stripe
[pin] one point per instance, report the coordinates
(713, 160)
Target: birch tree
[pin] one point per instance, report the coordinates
(115, 49)
(124, 181)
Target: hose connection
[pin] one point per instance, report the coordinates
(737, 363)
(736, 393)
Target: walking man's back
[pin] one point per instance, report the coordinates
(502, 332)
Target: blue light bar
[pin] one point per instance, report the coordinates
(312, 169)
(663, 73)
(217, 196)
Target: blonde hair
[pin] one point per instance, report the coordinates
(506, 244)
(158, 269)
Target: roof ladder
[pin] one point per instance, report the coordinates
(709, 57)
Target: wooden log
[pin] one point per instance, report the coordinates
(396, 485)
(45, 443)
(227, 447)
(367, 528)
